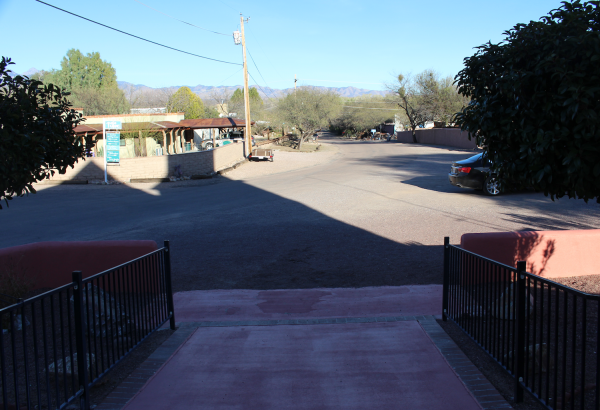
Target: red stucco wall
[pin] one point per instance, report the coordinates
(550, 254)
(50, 264)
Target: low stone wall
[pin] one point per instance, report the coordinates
(191, 163)
(550, 254)
(50, 264)
(449, 137)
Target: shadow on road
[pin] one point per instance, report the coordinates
(228, 234)
(225, 235)
(426, 171)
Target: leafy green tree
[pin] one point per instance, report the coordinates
(211, 112)
(184, 100)
(359, 116)
(37, 134)
(535, 99)
(84, 71)
(238, 96)
(426, 97)
(308, 109)
(236, 102)
(100, 101)
(91, 81)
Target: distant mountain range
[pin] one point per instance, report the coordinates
(30, 72)
(27, 73)
(207, 92)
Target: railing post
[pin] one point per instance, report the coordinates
(446, 278)
(520, 333)
(81, 342)
(170, 305)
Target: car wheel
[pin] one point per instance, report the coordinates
(491, 186)
(209, 146)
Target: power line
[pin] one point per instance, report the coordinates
(221, 83)
(184, 22)
(227, 5)
(257, 68)
(256, 82)
(140, 38)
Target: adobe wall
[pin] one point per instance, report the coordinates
(550, 254)
(192, 163)
(50, 264)
(450, 137)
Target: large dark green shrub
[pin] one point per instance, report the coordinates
(535, 102)
(37, 134)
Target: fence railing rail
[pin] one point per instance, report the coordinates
(55, 346)
(543, 333)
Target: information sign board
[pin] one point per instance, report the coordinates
(112, 125)
(112, 147)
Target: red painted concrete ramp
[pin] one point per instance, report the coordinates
(369, 348)
(241, 304)
(342, 366)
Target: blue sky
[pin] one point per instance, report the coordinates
(332, 43)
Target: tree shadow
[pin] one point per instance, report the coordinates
(530, 243)
(225, 234)
(546, 222)
(430, 170)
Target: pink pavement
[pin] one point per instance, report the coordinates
(236, 305)
(349, 366)
(377, 365)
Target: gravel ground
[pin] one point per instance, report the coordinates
(586, 284)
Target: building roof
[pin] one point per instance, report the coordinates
(227, 122)
(130, 127)
(91, 117)
(81, 129)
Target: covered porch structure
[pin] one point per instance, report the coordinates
(217, 124)
(172, 133)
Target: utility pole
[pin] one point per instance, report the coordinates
(248, 133)
(295, 81)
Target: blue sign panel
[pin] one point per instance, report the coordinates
(112, 125)
(113, 147)
(112, 157)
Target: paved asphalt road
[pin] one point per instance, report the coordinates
(373, 214)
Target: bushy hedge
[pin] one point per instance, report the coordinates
(535, 102)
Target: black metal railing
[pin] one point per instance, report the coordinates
(55, 346)
(543, 333)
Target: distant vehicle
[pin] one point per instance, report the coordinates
(237, 136)
(233, 136)
(224, 139)
(474, 173)
(208, 144)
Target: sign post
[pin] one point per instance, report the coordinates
(111, 145)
